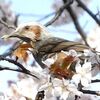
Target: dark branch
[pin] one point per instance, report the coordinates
(17, 70)
(16, 20)
(90, 92)
(2, 10)
(94, 81)
(76, 97)
(14, 62)
(6, 25)
(46, 16)
(76, 23)
(40, 95)
(82, 5)
(59, 12)
(23, 69)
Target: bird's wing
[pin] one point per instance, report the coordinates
(53, 45)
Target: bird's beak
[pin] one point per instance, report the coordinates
(5, 37)
(16, 35)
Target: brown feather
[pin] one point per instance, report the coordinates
(53, 45)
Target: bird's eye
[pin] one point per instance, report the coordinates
(26, 27)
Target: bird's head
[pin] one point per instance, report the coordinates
(33, 30)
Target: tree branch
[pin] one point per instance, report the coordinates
(94, 81)
(46, 16)
(90, 92)
(76, 23)
(16, 70)
(23, 69)
(59, 12)
(82, 5)
(6, 25)
(16, 20)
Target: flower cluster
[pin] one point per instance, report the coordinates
(65, 77)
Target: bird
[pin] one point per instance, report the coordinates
(43, 42)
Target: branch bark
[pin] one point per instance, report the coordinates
(6, 25)
(59, 12)
(21, 67)
(83, 6)
(90, 92)
(76, 22)
(16, 70)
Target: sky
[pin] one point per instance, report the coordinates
(43, 7)
(28, 8)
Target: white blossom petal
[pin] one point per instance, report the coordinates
(78, 68)
(49, 92)
(44, 87)
(85, 82)
(88, 76)
(76, 78)
(73, 53)
(48, 61)
(57, 91)
(74, 90)
(83, 73)
(64, 95)
(56, 82)
(87, 67)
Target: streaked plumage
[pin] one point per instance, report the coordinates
(45, 45)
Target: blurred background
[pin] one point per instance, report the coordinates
(15, 12)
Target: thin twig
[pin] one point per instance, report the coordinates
(29, 14)
(16, 20)
(94, 81)
(87, 91)
(76, 23)
(5, 17)
(23, 69)
(6, 25)
(82, 5)
(46, 16)
(90, 92)
(16, 70)
(76, 97)
(14, 62)
(3, 11)
(58, 13)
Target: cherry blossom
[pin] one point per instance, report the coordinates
(83, 74)
(55, 87)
